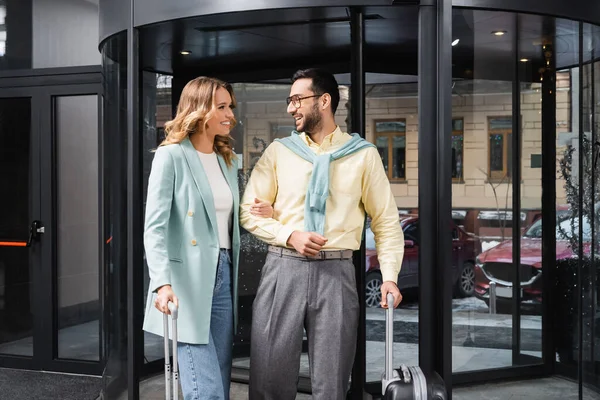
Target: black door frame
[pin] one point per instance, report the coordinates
(35, 251)
(43, 89)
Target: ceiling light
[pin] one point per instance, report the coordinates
(185, 52)
(498, 33)
(524, 59)
(455, 42)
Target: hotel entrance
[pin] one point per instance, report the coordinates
(481, 129)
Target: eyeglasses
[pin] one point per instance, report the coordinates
(295, 99)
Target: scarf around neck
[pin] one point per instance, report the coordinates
(318, 186)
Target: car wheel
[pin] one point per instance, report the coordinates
(373, 289)
(465, 285)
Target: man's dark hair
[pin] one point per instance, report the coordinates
(322, 82)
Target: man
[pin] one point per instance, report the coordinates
(320, 183)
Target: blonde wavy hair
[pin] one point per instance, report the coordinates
(196, 106)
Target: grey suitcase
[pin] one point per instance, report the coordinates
(171, 374)
(406, 382)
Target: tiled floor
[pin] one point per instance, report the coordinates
(547, 389)
(20, 386)
(153, 389)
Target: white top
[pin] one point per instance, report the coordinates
(221, 195)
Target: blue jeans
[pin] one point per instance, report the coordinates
(205, 369)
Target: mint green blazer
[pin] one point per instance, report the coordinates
(181, 241)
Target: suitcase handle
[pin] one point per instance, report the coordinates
(389, 337)
(171, 376)
(173, 308)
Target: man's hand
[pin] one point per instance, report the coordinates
(165, 295)
(390, 287)
(306, 243)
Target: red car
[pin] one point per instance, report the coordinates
(496, 264)
(465, 247)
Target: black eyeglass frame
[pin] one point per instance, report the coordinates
(291, 99)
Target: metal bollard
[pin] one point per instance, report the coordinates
(492, 293)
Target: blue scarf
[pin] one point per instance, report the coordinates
(318, 186)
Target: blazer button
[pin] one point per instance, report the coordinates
(191, 213)
(193, 242)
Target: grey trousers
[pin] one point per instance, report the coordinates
(319, 296)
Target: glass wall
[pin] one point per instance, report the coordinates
(392, 125)
(567, 199)
(261, 113)
(392, 120)
(589, 332)
(262, 117)
(552, 63)
(482, 187)
(506, 224)
(577, 218)
(531, 59)
(77, 224)
(114, 224)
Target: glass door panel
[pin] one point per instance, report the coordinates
(391, 119)
(589, 324)
(49, 232)
(16, 304)
(482, 192)
(77, 292)
(262, 117)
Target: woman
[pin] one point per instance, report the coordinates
(192, 237)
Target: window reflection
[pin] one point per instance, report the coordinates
(591, 301)
(481, 192)
(392, 120)
(500, 131)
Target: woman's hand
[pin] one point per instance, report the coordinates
(165, 295)
(261, 209)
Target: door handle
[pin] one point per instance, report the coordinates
(35, 230)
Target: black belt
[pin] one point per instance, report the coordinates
(322, 255)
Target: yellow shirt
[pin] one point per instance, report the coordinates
(357, 183)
